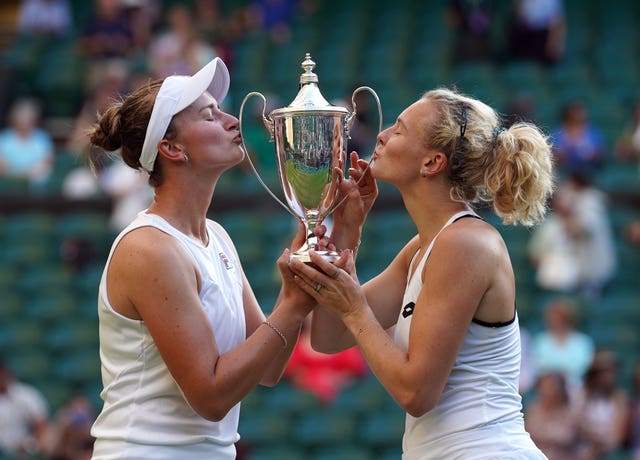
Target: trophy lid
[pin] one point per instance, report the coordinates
(309, 100)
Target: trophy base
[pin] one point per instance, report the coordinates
(303, 256)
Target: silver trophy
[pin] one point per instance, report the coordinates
(310, 143)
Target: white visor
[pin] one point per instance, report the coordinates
(177, 93)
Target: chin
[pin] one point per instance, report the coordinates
(376, 171)
(241, 155)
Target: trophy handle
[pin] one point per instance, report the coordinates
(351, 118)
(268, 123)
(348, 124)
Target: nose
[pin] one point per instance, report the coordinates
(232, 122)
(382, 137)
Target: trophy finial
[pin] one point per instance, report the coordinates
(308, 76)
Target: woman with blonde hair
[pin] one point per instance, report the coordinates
(452, 361)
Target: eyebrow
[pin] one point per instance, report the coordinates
(211, 106)
(401, 122)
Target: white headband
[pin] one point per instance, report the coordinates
(177, 93)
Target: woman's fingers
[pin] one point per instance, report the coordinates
(300, 237)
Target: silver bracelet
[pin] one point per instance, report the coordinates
(277, 331)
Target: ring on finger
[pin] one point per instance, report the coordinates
(318, 287)
(336, 273)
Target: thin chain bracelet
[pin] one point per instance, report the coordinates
(277, 331)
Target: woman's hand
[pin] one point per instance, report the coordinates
(334, 286)
(361, 190)
(290, 292)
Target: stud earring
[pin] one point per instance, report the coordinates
(186, 158)
(423, 174)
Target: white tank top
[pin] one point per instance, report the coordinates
(480, 404)
(145, 414)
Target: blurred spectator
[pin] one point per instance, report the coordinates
(578, 145)
(221, 32)
(633, 432)
(70, 437)
(112, 84)
(51, 18)
(574, 248)
(627, 147)
(472, 22)
(551, 419)
(144, 16)
(590, 228)
(602, 408)
(107, 33)
(76, 253)
(26, 151)
(107, 36)
(538, 30)
(179, 50)
(127, 188)
(23, 416)
(632, 232)
(561, 347)
(273, 17)
(321, 374)
(552, 251)
(527, 366)
(520, 107)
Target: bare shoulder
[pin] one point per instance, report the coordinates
(149, 268)
(471, 239)
(148, 250)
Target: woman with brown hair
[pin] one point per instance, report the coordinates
(182, 337)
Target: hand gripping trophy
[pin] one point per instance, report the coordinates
(310, 143)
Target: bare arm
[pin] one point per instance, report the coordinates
(255, 317)
(384, 297)
(416, 377)
(151, 276)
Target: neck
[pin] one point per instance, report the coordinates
(430, 209)
(184, 205)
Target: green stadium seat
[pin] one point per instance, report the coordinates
(263, 427)
(276, 450)
(27, 225)
(288, 399)
(18, 335)
(89, 225)
(11, 305)
(79, 367)
(383, 429)
(27, 253)
(71, 334)
(45, 278)
(342, 452)
(324, 426)
(362, 397)
(30, 364)
(49, 306)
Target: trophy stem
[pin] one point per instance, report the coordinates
(310, 223)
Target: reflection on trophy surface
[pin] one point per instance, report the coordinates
(310, 143)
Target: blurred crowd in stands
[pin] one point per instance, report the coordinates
(576, 406)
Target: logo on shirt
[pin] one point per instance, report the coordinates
(225, 261)
(408, 309)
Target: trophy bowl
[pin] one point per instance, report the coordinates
(310, 138)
